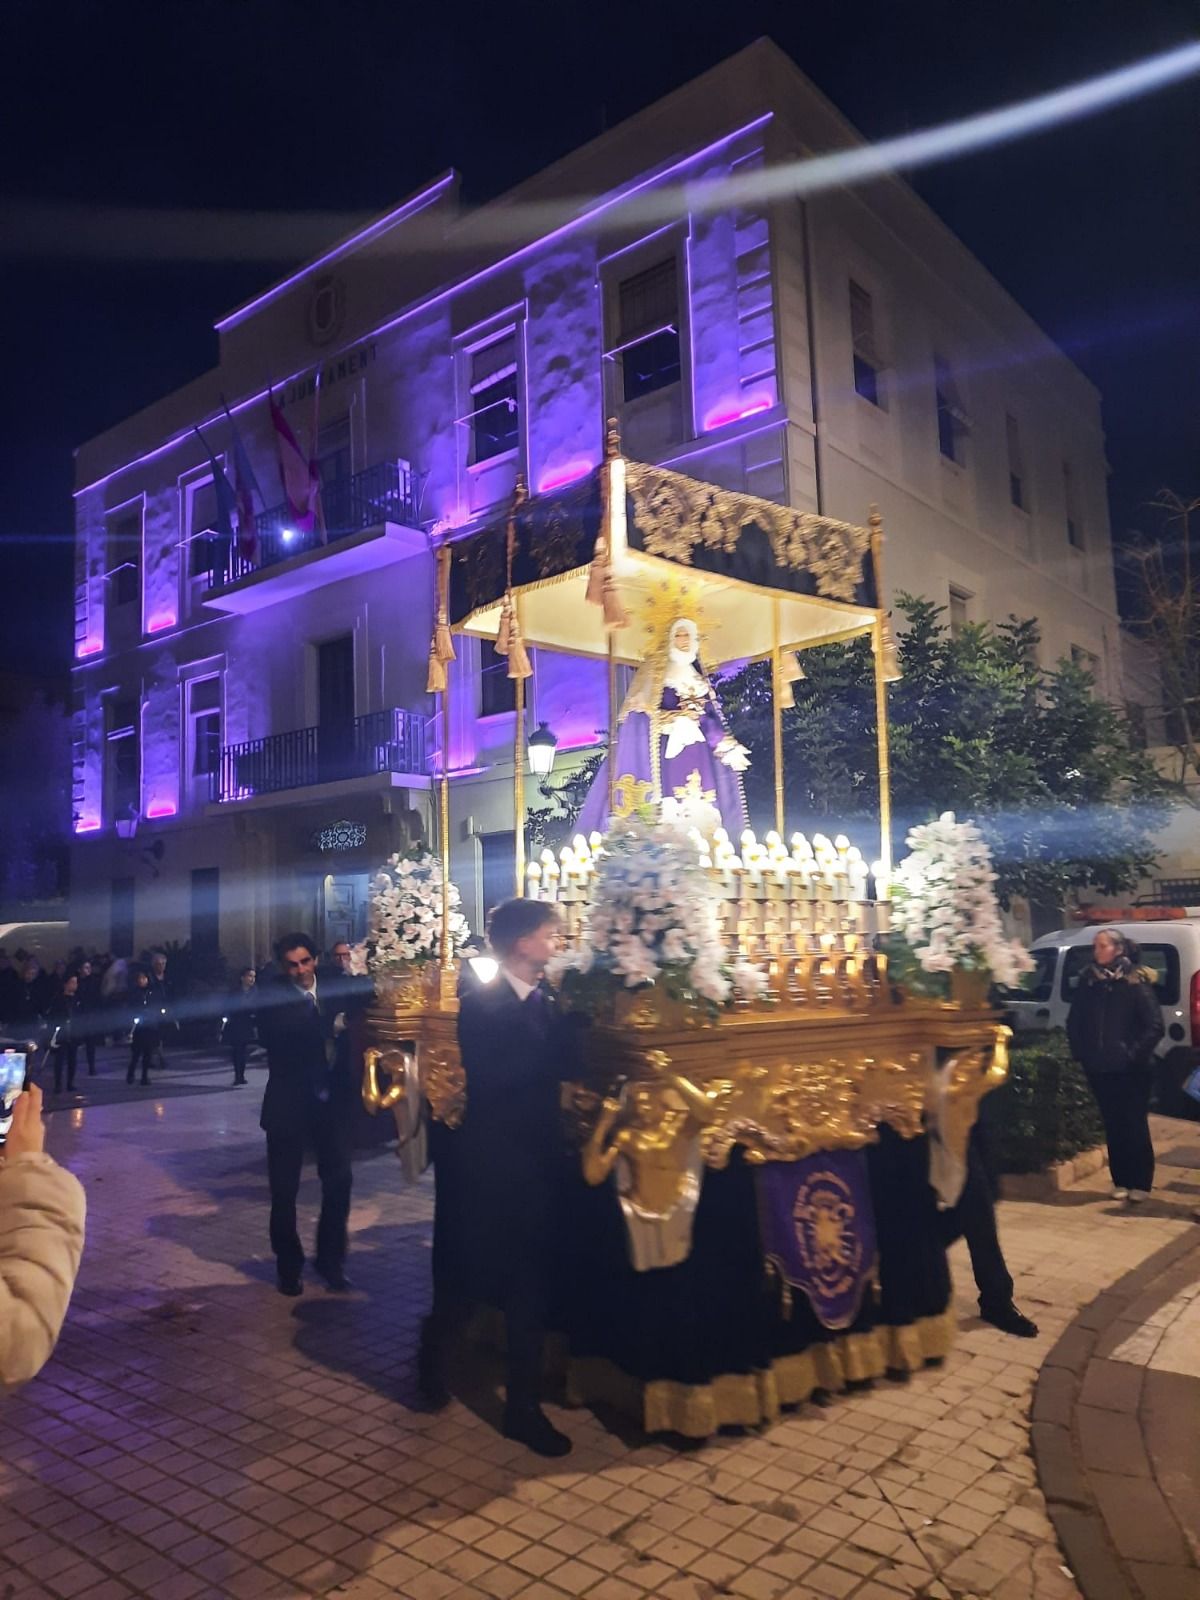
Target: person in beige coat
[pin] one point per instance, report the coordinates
(42, 1210)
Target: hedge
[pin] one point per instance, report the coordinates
(1045, 1112)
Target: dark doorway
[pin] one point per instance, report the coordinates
(335, 708)
(206, 918)
(122, 917)
(499, 868)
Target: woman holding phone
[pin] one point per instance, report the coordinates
(42, 1211)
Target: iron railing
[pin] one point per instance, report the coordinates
(382, 493)
(382, 741)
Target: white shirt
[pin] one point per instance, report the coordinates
(307, 993)
(520, 988)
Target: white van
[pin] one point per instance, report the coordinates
(1170, 948)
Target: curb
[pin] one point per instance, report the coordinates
(1114, 1444)
(1063, 1175)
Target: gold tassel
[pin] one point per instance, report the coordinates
(435, 681)
(614, 611)
(598, 574)
(504, 633)
(790, 669)
(786, 698)
(443, 644)
(518, 660)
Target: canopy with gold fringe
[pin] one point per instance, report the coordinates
(771, 576)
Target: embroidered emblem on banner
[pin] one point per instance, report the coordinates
(818, 1230)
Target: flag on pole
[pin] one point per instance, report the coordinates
(314, 469)
(246, 491)
(297, 472)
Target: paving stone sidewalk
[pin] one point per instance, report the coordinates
(197, 1435)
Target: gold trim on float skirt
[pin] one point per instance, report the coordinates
(908, 1348)
(748, 1400)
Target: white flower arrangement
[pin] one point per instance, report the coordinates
(653, 918)
(406, 912)
(944, 904)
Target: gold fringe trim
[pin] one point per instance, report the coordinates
(907, 1349)
(749, 1400)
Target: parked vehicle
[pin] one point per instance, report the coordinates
(1170, 948)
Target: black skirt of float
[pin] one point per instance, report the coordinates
(714, 1315)
(914, 1276)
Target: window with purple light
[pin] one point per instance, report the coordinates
(125, 557)
(123, 765)
(648, 331)
(495, 399)
(202, 530)
(204, 734)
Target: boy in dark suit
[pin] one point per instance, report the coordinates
(496, 1174)
(307, 1105)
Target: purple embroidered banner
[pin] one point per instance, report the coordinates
(818, 1229)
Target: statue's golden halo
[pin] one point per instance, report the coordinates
(665, 602)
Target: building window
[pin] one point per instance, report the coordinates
(204, 728)
(867, 363)
(960, 611)
(952, 422)
(647, 343)
(1074, 526)
(124, 767)
(495, 416)
(497, 691)
(202, 524)
(125, 557)
(499, 852)
(1016, 465)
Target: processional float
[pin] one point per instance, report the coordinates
(787, 1124)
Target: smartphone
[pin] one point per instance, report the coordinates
(12, 1081)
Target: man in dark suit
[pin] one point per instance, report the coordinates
(496, 1173)
(302, 1022)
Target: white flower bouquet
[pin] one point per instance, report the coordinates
(653, 920)
(405, 918)
(945, 916)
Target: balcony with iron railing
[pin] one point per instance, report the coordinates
(390, 741)
(369, 520)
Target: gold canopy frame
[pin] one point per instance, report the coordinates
(740, 618)
(742, 621)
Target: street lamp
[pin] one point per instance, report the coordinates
(542, 745)
(127, 824)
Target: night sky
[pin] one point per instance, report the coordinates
(347, 105)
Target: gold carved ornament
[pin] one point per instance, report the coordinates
(675, 514)
(651, 1125)
(961, 1082)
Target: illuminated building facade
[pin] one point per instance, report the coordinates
(252, 730)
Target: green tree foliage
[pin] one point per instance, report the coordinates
(1048, 769)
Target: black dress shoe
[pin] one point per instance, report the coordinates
(533, 1428)
(289, 1283)
(333, 1277)
(1009, 1320)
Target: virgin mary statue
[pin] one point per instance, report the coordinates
(699, 763)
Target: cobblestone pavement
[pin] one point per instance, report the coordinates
(1116, 1415)
(196, 1434)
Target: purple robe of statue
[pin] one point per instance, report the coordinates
(718, 784)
